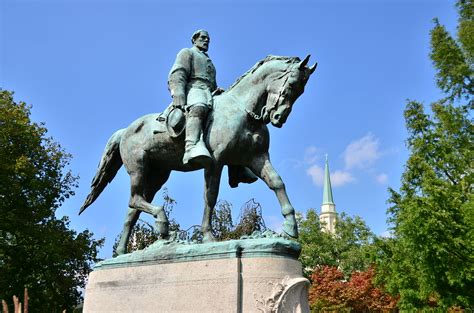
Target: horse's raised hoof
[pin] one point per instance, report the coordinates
(290, 228)
(208, 237)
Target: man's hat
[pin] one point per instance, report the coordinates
(175, 122)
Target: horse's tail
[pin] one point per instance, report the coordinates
(109, 165)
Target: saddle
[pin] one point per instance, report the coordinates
(173, 121)
(174, 118)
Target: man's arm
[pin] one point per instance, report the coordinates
(178, 78)
(215, 89)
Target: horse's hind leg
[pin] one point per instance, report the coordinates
(154, 183)
(138, 186)
(143, 192)
(144, 185)
(130, 221)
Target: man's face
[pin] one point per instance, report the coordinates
(202, 41)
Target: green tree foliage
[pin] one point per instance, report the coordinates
(143, 233)
(350, 249)
(250, 220)
(37, 250)
(222, 223)
(432, 254)
(453, 58)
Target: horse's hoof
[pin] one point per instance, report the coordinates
(290, 228)
(208, 237)
(120, 251)
(164, 238)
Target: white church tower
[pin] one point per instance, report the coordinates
(328, 208)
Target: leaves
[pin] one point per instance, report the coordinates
(250, 220)
(341, 266)
(454, 73)
(349, 249)
(330, 291)
(453, 57)
(38, 250)
(431, 228)
(430, 260)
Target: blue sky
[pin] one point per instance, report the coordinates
(92, 67)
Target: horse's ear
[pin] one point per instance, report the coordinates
(313, 68)
(304, 62)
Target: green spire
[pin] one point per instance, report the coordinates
(327, 191)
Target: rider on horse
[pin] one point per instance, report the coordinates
(192, 83)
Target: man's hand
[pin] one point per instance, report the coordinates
(218, 91)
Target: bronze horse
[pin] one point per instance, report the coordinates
(236, 135)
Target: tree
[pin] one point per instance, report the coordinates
(38, 250)
(432, 215)
(349, 249)
(327, 289)
(330, 291)
(250, 220)
(342, 266)
(222, 223)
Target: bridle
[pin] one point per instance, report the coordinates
(257, 117)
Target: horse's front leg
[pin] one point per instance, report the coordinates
(263, 168)
(212, 176)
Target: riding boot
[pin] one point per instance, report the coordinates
(196, 152)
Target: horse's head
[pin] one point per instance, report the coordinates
(285, 86)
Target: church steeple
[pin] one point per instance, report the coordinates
(328, 208)
(327, 191)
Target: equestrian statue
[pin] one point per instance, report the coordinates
(205, 128)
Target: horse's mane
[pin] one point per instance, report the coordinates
(269, 58)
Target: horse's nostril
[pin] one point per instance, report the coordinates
(277, 116)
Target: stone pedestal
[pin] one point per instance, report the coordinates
(251, 275)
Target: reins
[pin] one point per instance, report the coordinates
(254, 115)
(259, 117)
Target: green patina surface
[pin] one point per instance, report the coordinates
(221, 129)
(327, 191)
(267, 244)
